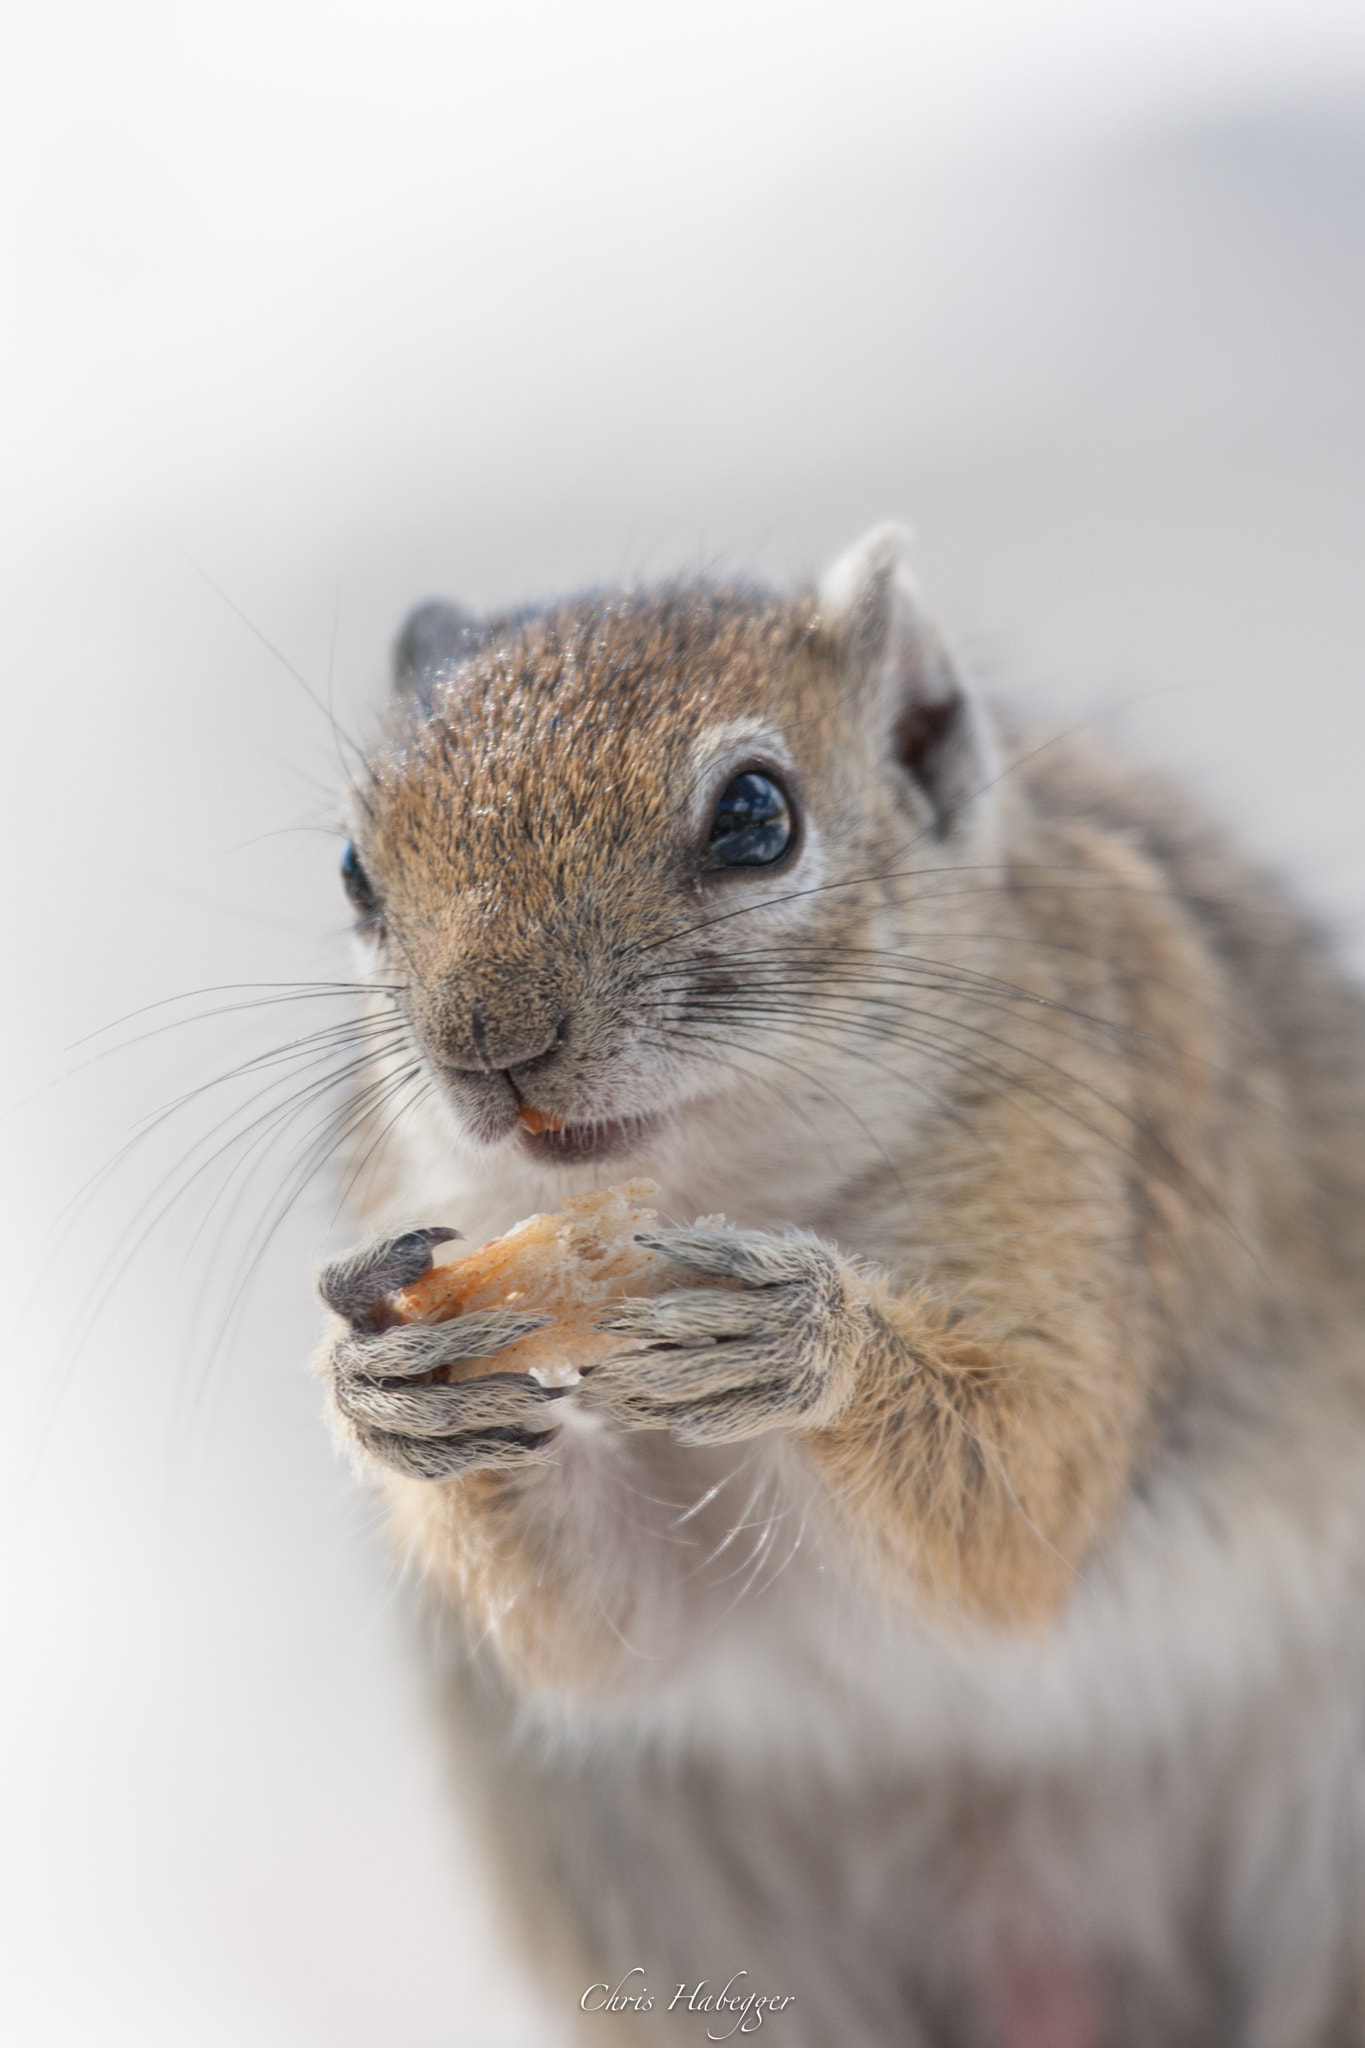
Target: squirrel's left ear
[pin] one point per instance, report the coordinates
(892, 658)
(433, 636)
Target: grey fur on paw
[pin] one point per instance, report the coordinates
(752, 1257)
(384, 1392)
(355, 1284)
(714, 1365)
(442, 1431)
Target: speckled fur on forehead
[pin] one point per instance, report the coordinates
(523, 743)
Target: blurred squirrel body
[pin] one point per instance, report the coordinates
(956, 1625)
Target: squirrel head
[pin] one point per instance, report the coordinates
(604, 847)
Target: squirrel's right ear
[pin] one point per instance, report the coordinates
(891, 657)
(434, 635)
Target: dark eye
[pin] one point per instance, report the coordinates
(357, 884)
(752, 826)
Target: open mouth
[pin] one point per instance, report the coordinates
(550, 1137)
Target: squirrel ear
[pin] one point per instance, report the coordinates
(433, 635)
(893, 659)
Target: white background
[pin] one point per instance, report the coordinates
(314, 310)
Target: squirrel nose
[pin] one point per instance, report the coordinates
(502, 1050)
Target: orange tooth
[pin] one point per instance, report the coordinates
(537, 1121)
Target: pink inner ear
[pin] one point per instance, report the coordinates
(1038, 1998)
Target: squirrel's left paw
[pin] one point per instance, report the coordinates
(717, 1364)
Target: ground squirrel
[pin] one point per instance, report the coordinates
(954, 1630)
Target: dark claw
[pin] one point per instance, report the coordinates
(414, 1242)
(356, 1283)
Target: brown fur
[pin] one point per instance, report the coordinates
(1082, 1252)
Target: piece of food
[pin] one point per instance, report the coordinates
(571, 1265)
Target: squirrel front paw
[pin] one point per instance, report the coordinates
(384, 1394)
(715, 1365)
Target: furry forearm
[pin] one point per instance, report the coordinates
(982, 1469)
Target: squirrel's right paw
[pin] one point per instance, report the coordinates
(382, 1390)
